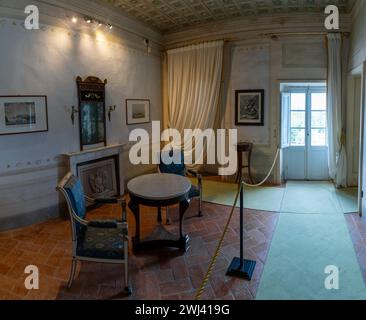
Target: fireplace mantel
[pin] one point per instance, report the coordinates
(75, 158)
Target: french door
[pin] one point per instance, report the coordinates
(304, 133)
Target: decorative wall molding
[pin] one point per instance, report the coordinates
(254, 28)
(29, 166)
(34, 217)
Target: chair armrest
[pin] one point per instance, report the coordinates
(103, 224)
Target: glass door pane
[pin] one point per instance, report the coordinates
(298, 119)
(318, 119)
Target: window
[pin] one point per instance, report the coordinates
(298, 119)
(318, 119)
(304, 115)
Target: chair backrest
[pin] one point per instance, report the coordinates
(174, 168)
(72, 189)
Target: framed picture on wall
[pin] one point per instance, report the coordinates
(23, 114)
(137, 111)
(249, 107)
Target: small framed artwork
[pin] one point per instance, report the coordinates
(249, 107)
(23, 114)
(137, 111)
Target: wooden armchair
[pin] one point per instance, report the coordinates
(181, 169)
(97, 241)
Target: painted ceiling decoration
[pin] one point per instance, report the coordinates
(171, 15)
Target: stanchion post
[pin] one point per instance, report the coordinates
(241, 224)
(239, 266)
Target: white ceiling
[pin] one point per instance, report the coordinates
(172, 15)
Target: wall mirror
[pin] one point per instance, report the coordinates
(92, 119)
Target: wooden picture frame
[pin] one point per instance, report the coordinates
(20, 114)
(137, 111)
(249, 107)
(92, 113)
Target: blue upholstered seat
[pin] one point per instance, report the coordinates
(100, 242)
(179, 168)
(99, 239)
(194, 192)
(75, 191)
(173, 168)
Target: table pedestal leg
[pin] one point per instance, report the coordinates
(136, 212)
(160, 237)
(183, 239)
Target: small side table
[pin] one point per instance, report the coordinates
(159, 190)
(244, 147)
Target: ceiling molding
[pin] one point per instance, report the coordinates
(255, 28)
(175, 15)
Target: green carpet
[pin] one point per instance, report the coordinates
(307, 240)
(310, 197)
(302, 246)
(299, 198)
(262, 198)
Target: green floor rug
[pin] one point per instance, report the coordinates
(261, 198)
(299, 197)
(311, 235)
(302, 246)
(310, 198)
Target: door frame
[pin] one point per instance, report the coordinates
(362, 71)
(280, 84)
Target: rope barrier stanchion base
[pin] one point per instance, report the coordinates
(241, 268)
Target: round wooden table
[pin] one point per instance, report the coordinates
(159, 190)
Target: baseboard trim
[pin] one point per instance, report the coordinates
(34, 217)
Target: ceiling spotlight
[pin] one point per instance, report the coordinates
(99, 24)
(109, 26)
(74, 19)
(88, 20)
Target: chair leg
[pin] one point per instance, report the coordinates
(72, 272)
(128, 290)
(168, 220)
(200, 207)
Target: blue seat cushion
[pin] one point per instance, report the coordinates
(194, 192)
(173, 168)
(100, 243)
(75, 192)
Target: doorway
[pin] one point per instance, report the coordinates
(304, 131)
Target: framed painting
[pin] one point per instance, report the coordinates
(137, 111)
(23, 114)
(249, 107)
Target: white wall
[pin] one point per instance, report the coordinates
(263, 64)
(358, 36)
(46, 62)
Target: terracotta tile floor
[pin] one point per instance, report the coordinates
(357, 229)
(160, 274)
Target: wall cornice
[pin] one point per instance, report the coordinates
(253, 28)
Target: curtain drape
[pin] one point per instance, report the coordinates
(193, 86)
(337, 158)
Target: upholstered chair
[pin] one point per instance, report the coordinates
(181, 169)
(101, 241)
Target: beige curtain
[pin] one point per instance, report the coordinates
(193, 84)
(337, 157)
